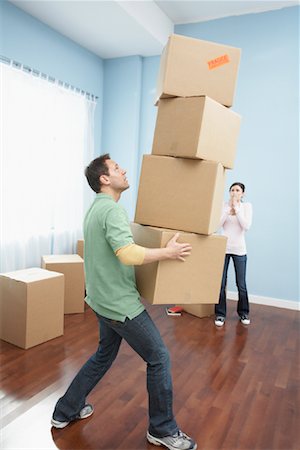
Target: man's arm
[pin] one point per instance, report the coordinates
(135, 255)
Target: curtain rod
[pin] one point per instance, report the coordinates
(44, 76)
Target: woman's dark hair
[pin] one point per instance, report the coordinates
(94, 171)
(241, 185)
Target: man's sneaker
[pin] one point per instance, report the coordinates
(219, 321)
(179, 441)
(245, 319)
(86, 411)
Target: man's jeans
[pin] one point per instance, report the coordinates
(240, 263)
(143, 336)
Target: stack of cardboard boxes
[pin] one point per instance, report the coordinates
(33, 301)
(182, 183)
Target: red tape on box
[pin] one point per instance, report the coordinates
(217, 62)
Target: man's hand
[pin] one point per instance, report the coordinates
(173, 250)
(177, 250)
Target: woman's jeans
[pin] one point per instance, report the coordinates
(240, 263)
(143, 336)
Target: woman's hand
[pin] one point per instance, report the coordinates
(234, 202)
(236, 194)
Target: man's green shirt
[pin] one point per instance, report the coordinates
(110, 285)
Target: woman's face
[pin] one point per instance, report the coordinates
(236, 192)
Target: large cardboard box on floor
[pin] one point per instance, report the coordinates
(31, 306)
(200, 310)
(192, 67)
(72, 268)
(196, 127)
(182, 194)
(197, 280)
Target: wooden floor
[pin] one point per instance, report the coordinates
(234, 388)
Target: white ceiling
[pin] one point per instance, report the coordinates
(112, 29)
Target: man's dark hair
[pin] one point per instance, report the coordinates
(94, 171)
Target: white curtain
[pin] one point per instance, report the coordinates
(46, 141)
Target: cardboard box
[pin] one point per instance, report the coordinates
(80, 247)
(72, 268)
(31, 306)
(196, 127)
(195, 281)
(192, 67)
(182, 194)
(200, 310)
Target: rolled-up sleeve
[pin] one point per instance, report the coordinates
(117, 228)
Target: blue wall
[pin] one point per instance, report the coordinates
(148, 111)
(267, 97)
(121, 119)
(129, 116)
(30, 42)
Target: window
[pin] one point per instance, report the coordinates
(46, 141)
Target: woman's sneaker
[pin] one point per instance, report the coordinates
(245, 319)
(219, 321)
(179, 441)
(86, 411)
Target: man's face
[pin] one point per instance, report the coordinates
(117, 176)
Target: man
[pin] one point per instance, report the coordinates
(109, 257)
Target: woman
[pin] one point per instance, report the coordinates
(236, 219)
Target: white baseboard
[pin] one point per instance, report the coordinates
(268, 301)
